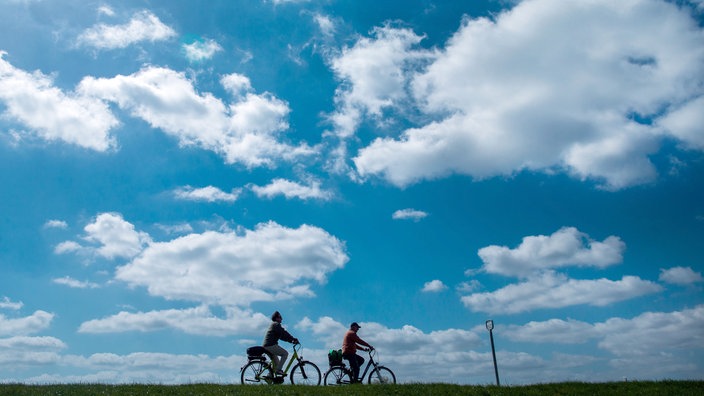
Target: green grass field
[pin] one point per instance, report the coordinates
(694, 388)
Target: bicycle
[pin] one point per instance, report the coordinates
(258, 371)
(339, 374)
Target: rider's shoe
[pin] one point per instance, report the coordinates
(280, 373)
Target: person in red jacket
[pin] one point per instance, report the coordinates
(349, 349)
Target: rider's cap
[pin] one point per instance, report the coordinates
(355, 324)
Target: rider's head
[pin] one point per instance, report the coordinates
(355, 326)
(276, 317)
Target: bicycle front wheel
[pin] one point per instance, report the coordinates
(382, 375)
(305, 373)
(337, 376)
(253, 373)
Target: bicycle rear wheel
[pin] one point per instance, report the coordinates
(337, 376)
(382, 375)
(305, 373)
(253, 373)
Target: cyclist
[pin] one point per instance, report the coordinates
(275, 333)
(349, 349)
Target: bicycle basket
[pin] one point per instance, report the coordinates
(335, 357)
(256, 352)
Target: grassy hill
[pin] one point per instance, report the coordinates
(694, 388)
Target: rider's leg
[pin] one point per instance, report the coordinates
(280, 355)
(355, 363)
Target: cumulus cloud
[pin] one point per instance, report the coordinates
(409, 214)
(680, 276)
(630, 340)
(38, 321)
(199, 320)
(22, 351)
(653, 331)
(244, 131)
(550, 290)
(433, 286)
(201, 50)
(271, 262)
(148, 367)
(144, 26)
(375, 72)
(51, 114)
(207, 194)
(116, 237)
(560, 331)
(565, 247)
(517, 92)
(685, 123)
(291, 189)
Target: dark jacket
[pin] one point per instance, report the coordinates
(275, 333)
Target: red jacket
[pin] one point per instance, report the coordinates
(349, 343)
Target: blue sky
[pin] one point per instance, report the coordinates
(173, 173)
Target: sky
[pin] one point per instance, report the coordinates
(173, 172)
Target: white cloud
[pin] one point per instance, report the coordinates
(55, 224)
(147, 367)
(548, 85)
(68, 247)
(291, 189)
(271, 262)
(144, 26)
(116, 237)
(24, 351)
(198, 320)
(74, 283)
(38, 321)
(183, 228)
(6, 303)
(565, 247)
(106, 10)
(680, 276)
(375, 73)
(550, 291)
(244, 132)
(559, 331)
(201, 50)
(325, 24)
(207, 194)
(656, 345)
(237, 84)
(669, 332)
(409, 214)
(32, 100)
(433, 286)
(686, 123)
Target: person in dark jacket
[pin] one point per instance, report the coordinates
(275, 333)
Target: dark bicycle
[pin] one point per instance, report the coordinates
(258, 371)
(339, 374)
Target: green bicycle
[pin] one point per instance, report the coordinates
(258, 371)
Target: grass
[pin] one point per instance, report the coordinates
(684, 388)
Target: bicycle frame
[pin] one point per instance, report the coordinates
(370, 363)
(294, 358)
